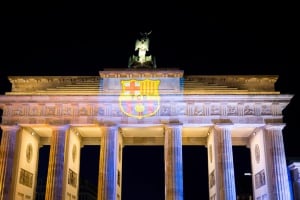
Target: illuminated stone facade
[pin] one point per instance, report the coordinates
(141, 107)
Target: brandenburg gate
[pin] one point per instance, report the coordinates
(141, 106)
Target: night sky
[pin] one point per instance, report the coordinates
(83, 37)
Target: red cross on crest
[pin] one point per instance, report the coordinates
(139, 98)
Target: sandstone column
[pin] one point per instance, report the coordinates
(276, 167)
(54, 187)
(7, 156)
(107, 180)
(223, 163)
(173, 162)
(25, 168)
(71, 164)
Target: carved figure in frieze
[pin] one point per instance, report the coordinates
(231, 109)
(18, 111)
(266, 109)
(67, 111)
(215, 109)
(34, 111)
(248, 109)
(165, 110)
(83, 111)
(180, 109)
(198, 110)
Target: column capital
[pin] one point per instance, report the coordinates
(174, 124)
(9, 127)
(222, 121)
(171, 127)
(60, 127)
(108, 124)
(223, 126)
(278, 126)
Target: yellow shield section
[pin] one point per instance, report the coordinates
(139, 98)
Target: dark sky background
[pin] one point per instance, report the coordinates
(83, 37)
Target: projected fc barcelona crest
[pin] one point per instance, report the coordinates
(139, 98)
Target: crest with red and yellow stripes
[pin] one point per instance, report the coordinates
(139, 98)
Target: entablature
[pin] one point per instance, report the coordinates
(201, 109)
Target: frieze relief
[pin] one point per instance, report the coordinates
(249, 109)
(180, 109)
(34, 111)
(51, 110)
(198, 109)
(231, 109)
(6, 111)
(99, 110)
(165, 110)
(215, 109)
(266, 109)
(41, 113)
(115, 111)
(85, 110)
(18, 110)
(67, 110)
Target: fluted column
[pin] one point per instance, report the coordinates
(224, 162)
(277, 168)
(107, 182)
(7, 155)
(54, 187)
(173, 162)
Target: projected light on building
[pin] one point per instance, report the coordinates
(139, 98)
